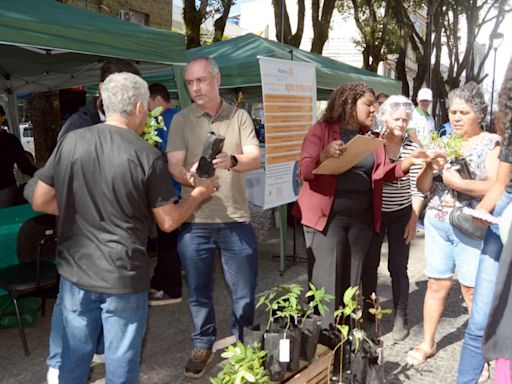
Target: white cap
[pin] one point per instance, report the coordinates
(425, 94)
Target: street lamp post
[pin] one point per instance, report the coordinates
(496, 40)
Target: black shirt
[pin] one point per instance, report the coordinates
(85, 117)
(107, 180)
(12, 152)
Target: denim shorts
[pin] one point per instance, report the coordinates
(447, 249)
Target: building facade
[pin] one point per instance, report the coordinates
(153, 13)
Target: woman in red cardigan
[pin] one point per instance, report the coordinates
(339, 213)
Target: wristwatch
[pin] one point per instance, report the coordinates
(234, 161)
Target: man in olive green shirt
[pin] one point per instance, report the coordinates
(221, 222)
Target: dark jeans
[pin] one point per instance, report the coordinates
(335, 256)
(393, 224)
(167, 275)
(198, 244)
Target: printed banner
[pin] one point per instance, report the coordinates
(289, 105)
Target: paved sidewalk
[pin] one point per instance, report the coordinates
(167, 343)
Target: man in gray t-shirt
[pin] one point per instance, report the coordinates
(106, 184)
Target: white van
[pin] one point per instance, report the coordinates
(27, 137)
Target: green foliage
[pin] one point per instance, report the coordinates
(451, 145)
(288, 304)
(361, 343)
(283, 302)
(378, 312)
(379, 31)
(318, 300)
(244, 365)
(154, 122)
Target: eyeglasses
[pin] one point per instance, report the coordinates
(398, 105)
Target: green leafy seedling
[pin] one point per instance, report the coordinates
(244, 365)
(154, 122)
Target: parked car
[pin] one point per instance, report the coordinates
(27, 137)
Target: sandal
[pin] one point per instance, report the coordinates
(419, 354)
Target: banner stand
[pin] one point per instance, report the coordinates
(283, 236)
(289, 106)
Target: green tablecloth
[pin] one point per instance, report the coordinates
(11, 220)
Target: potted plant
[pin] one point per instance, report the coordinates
(367, 352)
(282, 336)
(310, 324)
(451, 146)
(244, 365)
(289, 310)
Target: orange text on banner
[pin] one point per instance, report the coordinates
(284, 158)
(286, 99)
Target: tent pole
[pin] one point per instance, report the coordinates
(12, 112)
(179, 71)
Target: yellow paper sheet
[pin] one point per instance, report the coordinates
(356, 149)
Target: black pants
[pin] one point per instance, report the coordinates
(8, 196)
(393, 224)
(335, 256)
(167, 275)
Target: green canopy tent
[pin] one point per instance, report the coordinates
(46, 45)
(239, 66)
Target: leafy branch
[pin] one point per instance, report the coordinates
(154, 122)
(244, 365)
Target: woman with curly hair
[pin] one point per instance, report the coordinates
(446, 247)
(340, 212)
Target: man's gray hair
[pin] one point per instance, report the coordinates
(121, 92)
(394, 103)
(471, 94)
(212, 64)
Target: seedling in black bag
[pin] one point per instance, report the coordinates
(212, 147)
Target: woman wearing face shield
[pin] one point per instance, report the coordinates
(401, 206)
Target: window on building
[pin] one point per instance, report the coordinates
(89, 5)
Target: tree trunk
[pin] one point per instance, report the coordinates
(45, 119)
(220, 23)
(321, 23)
(284, 28)
(400, 65)
(193, 19)
(296, 38)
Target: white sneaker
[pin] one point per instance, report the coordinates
(97, 359)
(52, 376)
(486, 374)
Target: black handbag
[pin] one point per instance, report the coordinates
(464, 223)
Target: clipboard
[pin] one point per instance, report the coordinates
(356, 150)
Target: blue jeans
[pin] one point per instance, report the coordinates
(123, 318)
(197, 246)
(55, 342)
(471, 357)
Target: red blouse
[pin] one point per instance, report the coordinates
(317, 194)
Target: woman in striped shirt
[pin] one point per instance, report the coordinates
(401, 205)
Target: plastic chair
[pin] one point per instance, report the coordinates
(36, 275)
